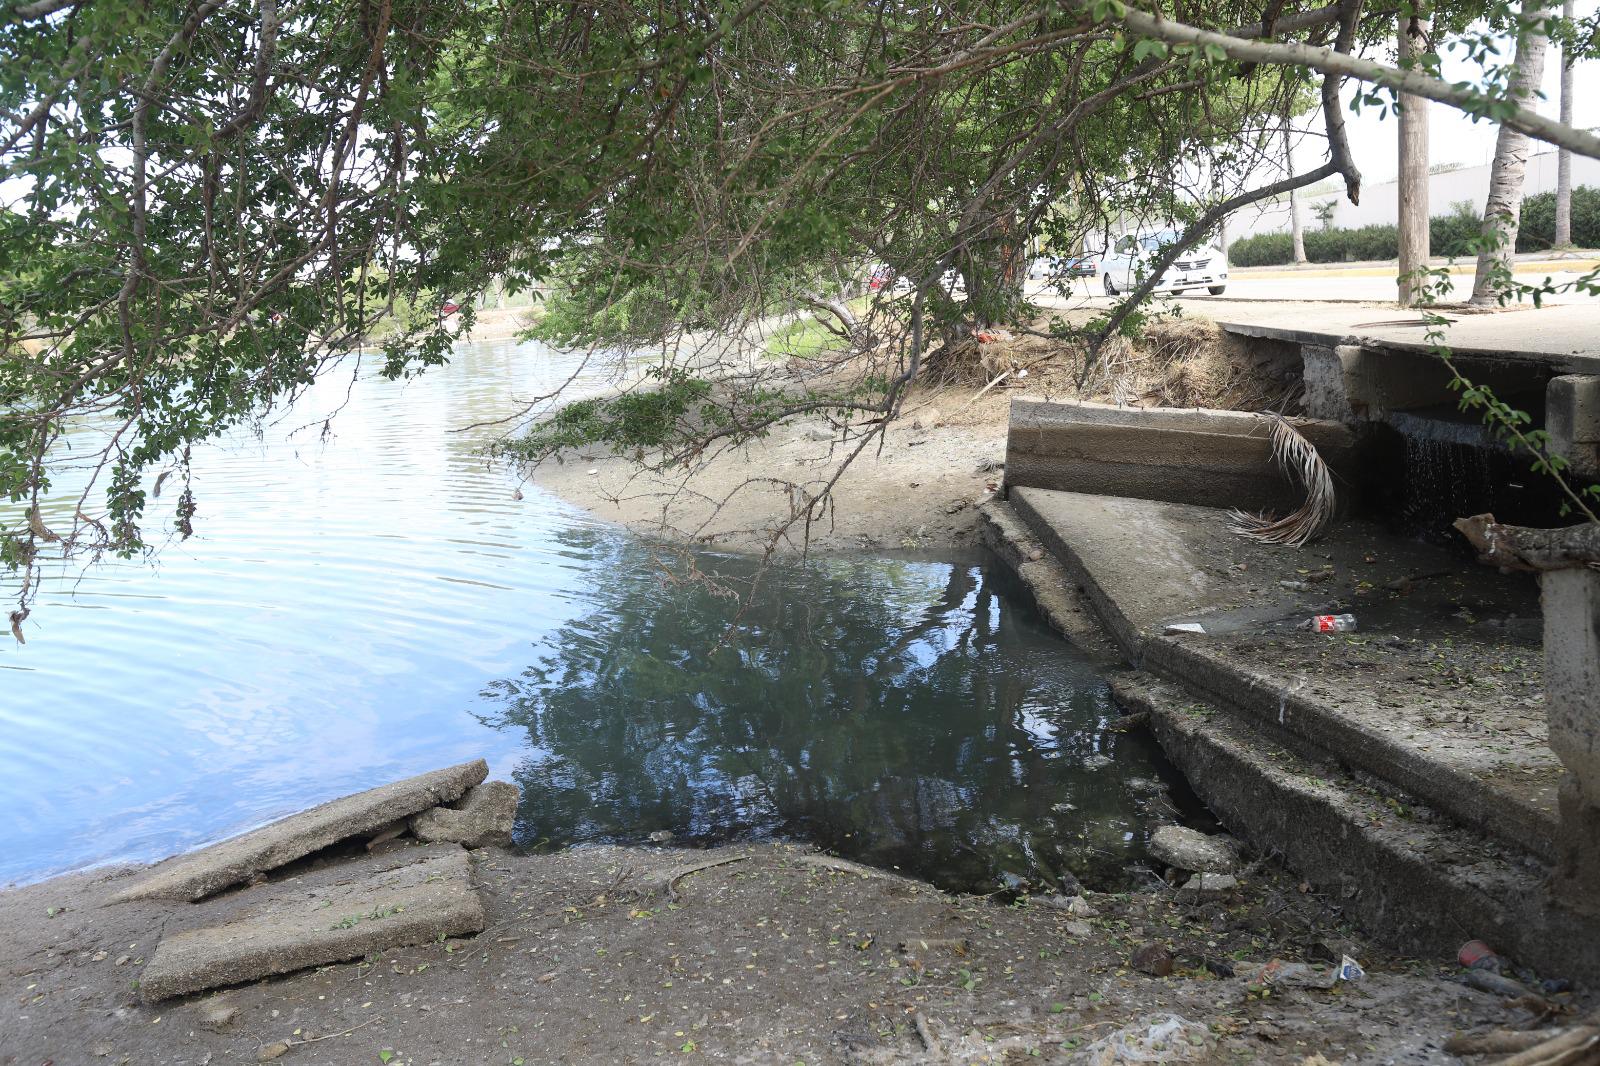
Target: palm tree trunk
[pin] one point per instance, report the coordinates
(1296, 234)
(1501, 214)
(1563, 236)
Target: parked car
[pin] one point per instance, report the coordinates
(1078, 266)
(1202, 267)
(1052, 267)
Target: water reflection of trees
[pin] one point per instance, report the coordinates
(906, 714)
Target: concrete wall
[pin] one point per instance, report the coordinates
(1215, 458)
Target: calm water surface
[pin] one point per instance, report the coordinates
(375, 601)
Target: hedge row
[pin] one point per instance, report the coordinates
(1450, 234)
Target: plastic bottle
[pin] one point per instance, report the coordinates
(1330, 623)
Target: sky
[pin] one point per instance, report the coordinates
(1453, 138)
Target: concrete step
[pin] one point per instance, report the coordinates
(1475, 748)
(1405, 872)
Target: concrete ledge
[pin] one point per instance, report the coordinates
(1407, 876)
(1142, 564)
(1472, 801)
(1162, 453)
(1094, 570)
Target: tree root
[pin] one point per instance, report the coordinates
(667, 882)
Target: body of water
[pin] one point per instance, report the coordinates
(375, 600)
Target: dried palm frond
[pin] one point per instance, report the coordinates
(1299, 459)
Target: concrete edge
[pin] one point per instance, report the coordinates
(1059, 598)
(1122, 632)
(1459, 794)
(1568, 362)
(1425, 884)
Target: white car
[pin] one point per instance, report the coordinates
(1202, 267)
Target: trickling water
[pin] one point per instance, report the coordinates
(1445, 480)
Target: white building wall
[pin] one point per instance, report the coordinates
(1380, 201)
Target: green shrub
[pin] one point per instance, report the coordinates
(1450, 234)
(1264, 249)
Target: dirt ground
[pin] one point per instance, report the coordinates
(777, 957)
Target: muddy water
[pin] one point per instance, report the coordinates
(376, 600)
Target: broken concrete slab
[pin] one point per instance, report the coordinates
(484, 816)
(201, 873)
(342, 912)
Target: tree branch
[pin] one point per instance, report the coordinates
(1330, 61)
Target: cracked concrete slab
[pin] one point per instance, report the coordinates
(200, 873)
(411, 896)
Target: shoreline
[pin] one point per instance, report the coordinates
(920, 490)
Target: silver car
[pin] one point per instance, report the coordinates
(1128, 263)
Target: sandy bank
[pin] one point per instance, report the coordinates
(919, 490)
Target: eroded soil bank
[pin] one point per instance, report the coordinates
(777, 957)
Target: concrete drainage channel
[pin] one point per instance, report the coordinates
(1409, 768)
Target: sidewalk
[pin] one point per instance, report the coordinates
(1571, 260)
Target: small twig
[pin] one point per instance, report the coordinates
(330, 1036)
(979, 394)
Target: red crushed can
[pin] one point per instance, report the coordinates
(1476, 955)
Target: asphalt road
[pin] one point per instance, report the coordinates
(1361, 284)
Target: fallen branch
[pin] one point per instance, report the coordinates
(330, 1036)
(1575, 1045)
(1522, 548)
(1498, 1042)
(843, 866)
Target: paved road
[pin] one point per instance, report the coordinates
(1357, 284)
(1289, 308)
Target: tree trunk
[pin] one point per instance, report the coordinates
(1501, 213)
(1296, 234)
(1413, 179)
(1563, 236)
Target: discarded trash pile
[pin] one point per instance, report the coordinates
(411, 884)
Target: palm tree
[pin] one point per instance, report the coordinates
(1296, 234)
(1501, 213)
(1563, 236)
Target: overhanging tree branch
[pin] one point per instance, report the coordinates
(1330, 61)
